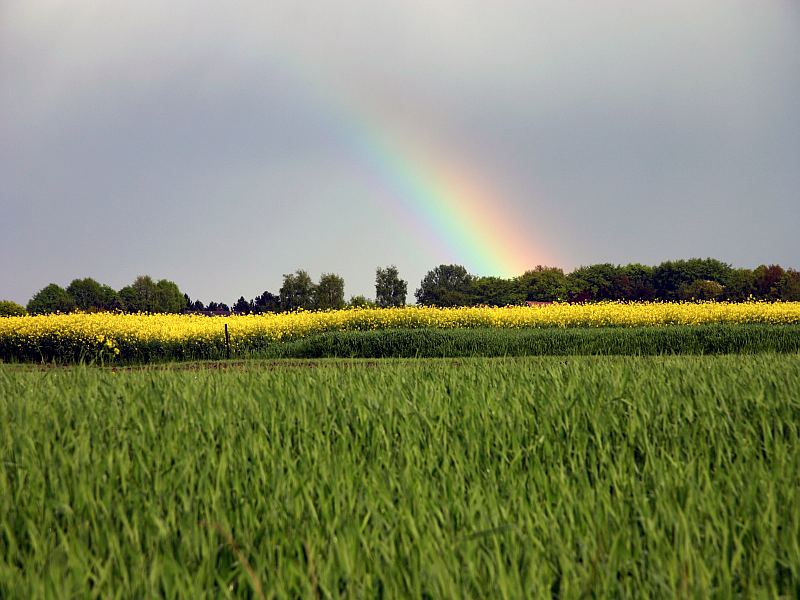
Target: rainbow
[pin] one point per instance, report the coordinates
(462, 222)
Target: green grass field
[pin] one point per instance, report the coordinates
(663, 476)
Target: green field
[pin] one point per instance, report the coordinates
(657, 476)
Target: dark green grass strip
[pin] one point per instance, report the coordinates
(425, 343)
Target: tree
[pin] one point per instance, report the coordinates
(596, 282)
(669, 276)
(360, 302)
(197, 305)
(140, 296)
(740, 284)
(145, 295)
(169, 298)
(297, 291)
(89, 295)
(634, 282)
(109, 299)
(86, 293)
(701, 289)
(8, 308)
(267, 302)
(242, 306)
(217, 307)
(329, 292)
(543, 284)
(496, 291)
(446, 285)
(788, 286)
(766, 280)
(390, 290)
(52, 298)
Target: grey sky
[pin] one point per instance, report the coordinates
(200, 143)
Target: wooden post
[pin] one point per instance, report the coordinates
(227, 342)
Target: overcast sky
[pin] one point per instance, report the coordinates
(207, 142)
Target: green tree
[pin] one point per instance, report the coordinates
(329, 292)
(146, 295)
(446, 285)
(297, 291)
(267, 302)
(788, 286)
(634, 282)
(701, 289)
(217, 307)
(87, 293)
(390, 290)
(140, 296)
(109, 299)
(671, 275)
(168, 297)
(496, 291)
(9, 308)
(740, 284)
(242, 306)
(596, 282)
(766, 281)
(52, 298)
(360, 301)
(543, 284)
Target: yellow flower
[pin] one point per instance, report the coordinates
(129, 332)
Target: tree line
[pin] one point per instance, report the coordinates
(143, 295)
(445, 285)
(692, 279)
(300, 292)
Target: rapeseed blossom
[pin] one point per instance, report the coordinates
(85, 335)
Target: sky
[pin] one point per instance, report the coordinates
(222, 145)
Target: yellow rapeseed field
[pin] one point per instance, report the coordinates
(109, 334)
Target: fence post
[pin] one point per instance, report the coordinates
(227, 343)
